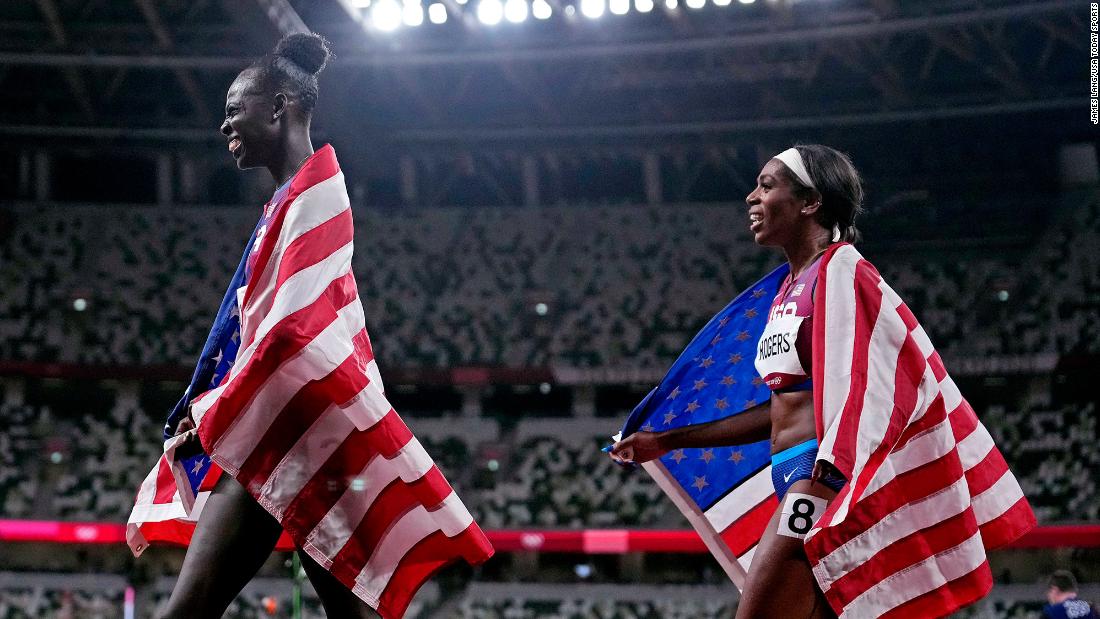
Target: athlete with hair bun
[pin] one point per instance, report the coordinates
(267, 119)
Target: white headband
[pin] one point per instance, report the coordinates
(793, 160)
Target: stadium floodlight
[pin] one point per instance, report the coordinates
(490, 12)
(643, 6)
(619, 7)
(541, 9)
(593, 9)
(695, 4)
(671, 4)
(413, 13)
(437, 13)
(515, 11)
(386, 15)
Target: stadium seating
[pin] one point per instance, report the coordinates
(558, 477)
(18, 447)
(530, 601)
(444, 287)
(60, 596)
(34, 603)
(622, 285)
(1053, 454)
(107, 465)
(546, 474)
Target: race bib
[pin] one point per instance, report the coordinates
(776, 354)
(800, 512)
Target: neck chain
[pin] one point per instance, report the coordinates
(791, 276)
(296, 169)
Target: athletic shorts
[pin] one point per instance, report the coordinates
(797, 463)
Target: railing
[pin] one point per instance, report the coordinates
(585, 541)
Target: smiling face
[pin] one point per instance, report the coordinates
(776, 214)
(249, 123)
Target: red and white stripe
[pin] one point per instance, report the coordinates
(732, 527)
(928, 492)
(741, 516)
(302, 421)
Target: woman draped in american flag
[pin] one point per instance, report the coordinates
(285, 435)
(888, 491)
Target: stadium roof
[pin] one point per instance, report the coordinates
(145, 69)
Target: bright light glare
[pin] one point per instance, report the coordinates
(360, 4)
(695, 4)
(619, 7)
(721, 2)
(570, 10)
(747, 1)
(592, 9)
(515, 11)
(386, 15)
(643, 6)
(541, 9)
(489, 12)
(414, 13)
(671, 4)
(437, 13)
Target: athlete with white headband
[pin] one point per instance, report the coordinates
(806, 200)
(793, 160)
(868, 431)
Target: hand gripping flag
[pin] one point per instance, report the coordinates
(301, 419)
(725, 492)
(928, 494)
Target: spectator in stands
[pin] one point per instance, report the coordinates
(1062, 595)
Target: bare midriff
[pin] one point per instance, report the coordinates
(792, 416)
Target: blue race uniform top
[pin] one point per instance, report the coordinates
(1069, 609)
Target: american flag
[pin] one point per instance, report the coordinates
(725, 492)
(929, 493)
(301, 419)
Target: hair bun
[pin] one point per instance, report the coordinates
(307, 50)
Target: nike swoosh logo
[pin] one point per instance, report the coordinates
(787, 477)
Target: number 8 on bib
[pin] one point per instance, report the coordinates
(800, 512)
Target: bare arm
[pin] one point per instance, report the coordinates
(748, 427)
